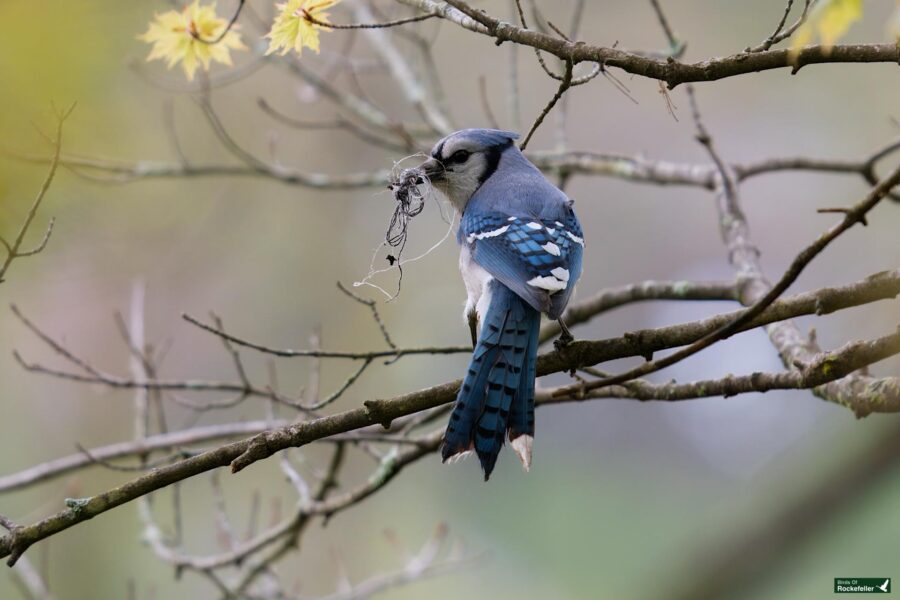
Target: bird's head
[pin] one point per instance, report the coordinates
(465, 159)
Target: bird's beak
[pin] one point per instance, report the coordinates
(433, 169)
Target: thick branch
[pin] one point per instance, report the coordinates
(671, 71)
(587, 309)
(825, 368)
(855, 214)
(578, 354)
(859, 392)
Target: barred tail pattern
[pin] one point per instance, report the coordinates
(496, 399)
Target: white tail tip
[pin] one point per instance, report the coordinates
(522, 447)
(460, 456)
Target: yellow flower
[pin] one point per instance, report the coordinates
(174, 37)
(294, 26)
(830, 19)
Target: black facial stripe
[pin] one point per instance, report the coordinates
(493, 155)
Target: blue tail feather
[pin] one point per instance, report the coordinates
(497, 395)
(521, 417)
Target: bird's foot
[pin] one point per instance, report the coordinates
(472, 317)
(562, 342)
(565, 337)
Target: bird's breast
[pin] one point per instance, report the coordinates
(476, 280)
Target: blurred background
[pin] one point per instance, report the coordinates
(625, 499)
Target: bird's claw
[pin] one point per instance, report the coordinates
(564, 339)
(565, 336)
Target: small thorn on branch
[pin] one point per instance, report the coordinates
(16, 547)
(845, 211)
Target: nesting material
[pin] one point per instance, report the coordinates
(409, 188)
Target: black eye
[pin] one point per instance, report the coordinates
(460, 156)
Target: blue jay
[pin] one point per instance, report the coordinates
(521, 248)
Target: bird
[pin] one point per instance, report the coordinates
(521, 248)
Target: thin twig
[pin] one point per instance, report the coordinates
(338, 122)
(13, 250)
(287, 352)
(778, 35)
(375, 314)
(328, 25)
(563, 87)
(852, 217)
(231, 22)
(676, 46)
(422, 565)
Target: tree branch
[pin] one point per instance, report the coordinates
(14, 249)
(853, 216)
(670, 70)
(637, 169)
(826, 367)
(243, 453)
(605, 300)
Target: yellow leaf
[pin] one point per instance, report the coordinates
(174, 36)
(297, 25)
(830, 19)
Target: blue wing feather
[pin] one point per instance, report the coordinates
(518, 249)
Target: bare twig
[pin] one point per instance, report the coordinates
(853, 216)
(380, 140)
(676, 47)
(564, 85)
(411, 86)
(14, 248)
(231, 22)
(343, 388)
(395, 23)
(778, 35)
(287, 352)
(422, 565)
(375, 314)
(30, 581)
(163, 442)
(7, 523)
